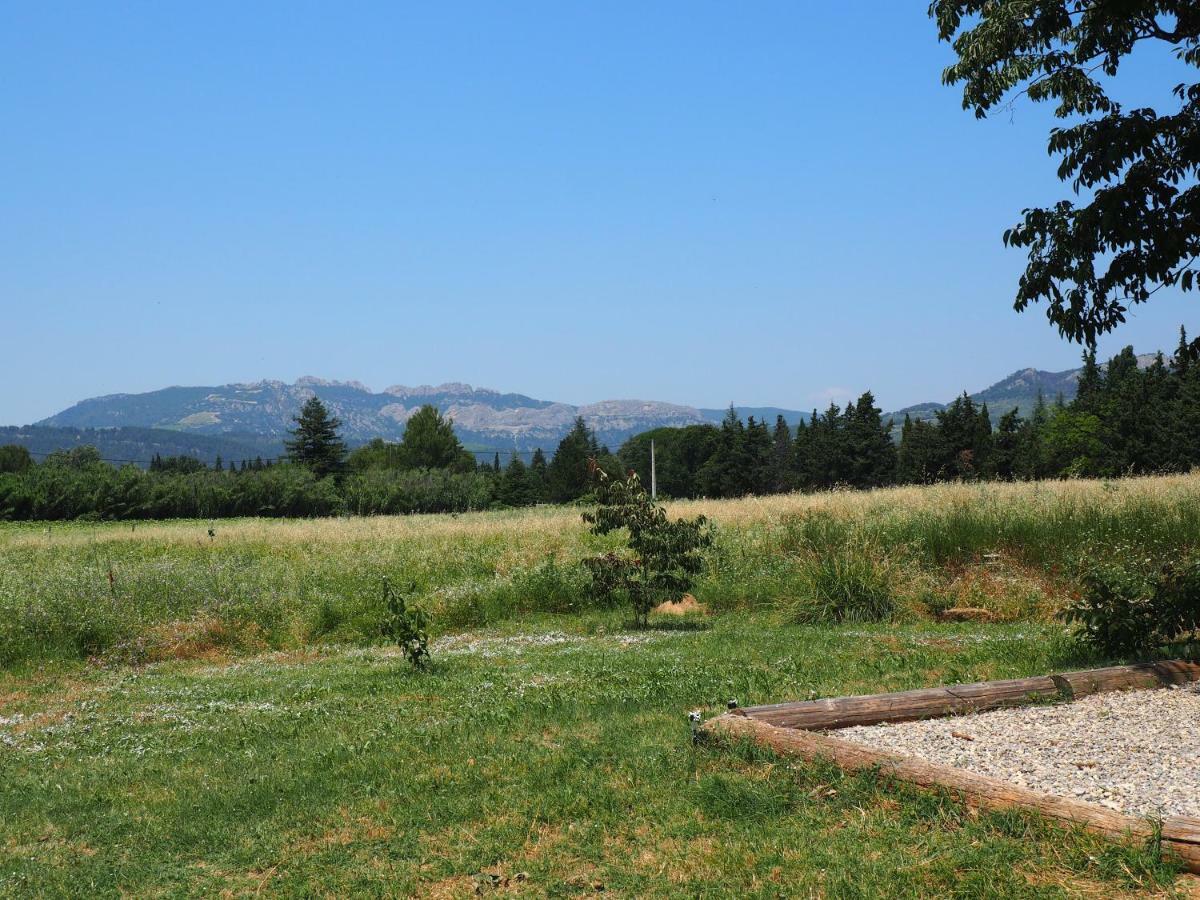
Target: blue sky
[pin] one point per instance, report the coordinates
(695, 202)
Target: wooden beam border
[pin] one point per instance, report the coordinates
(791, 729)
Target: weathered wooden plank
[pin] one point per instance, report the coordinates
(905, 706)
(959, 699)
(1179, 835)
(1124, 678)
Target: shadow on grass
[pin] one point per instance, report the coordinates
(677, 625)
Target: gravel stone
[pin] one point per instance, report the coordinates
(1134, 751)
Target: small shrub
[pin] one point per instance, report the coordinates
(666, 555)
(407, 625)
(1123, 612)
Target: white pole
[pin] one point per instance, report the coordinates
(653, 474)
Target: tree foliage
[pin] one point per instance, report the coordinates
(407, 626)
(315, 443)
(15, 458)
(1135, 226)
(429, 442)
(569, 473)
(1122, 612)
(666, 555)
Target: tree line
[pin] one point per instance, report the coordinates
(1124, 419)
(428, 471)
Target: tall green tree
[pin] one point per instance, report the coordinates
(679, 454)
(965, 431)
(760, 457)
(868, 443)
(429, 442)
(568, 476)
(1006, 445)
(919, 458)
(15, 458)
(1138, 227)
(315, 443)
(1185, 417)
(781, 457)
(516, 487)
(537, 475)
(729, 471)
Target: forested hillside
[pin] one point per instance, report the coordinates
(140, 445)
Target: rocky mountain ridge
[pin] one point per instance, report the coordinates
(486, 420)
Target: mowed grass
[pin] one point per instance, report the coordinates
(149, 591)
(547, 758)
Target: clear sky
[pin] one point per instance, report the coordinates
(700, 202)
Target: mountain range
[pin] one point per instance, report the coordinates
(241, 420)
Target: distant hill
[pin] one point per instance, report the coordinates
(139, 445)
(246, 420)
(485, 420)
(1018, 391)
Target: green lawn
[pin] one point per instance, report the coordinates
(546, 757)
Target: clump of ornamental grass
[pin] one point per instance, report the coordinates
(852, 582)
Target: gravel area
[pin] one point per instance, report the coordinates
(1133, 751)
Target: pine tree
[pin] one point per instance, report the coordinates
(516, 486)
(1087, 393)
(315, 442)
(567, 476)
(871, 453)
(537, 475)
(919, 457)
(802, 454)
(965, 440)
(829, 460)
(781, 456)
(729, 470)
(759, 457)
(1006, 447)
(429, 442)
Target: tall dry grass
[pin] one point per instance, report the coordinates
(1013, 549)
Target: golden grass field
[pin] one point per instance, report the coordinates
(1012, 549)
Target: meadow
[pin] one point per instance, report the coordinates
(150, 591)
(192, 714)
